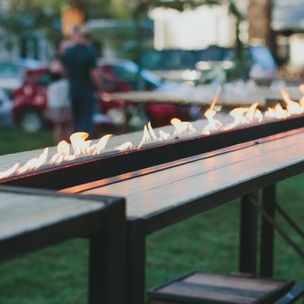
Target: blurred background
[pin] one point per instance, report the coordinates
(180, 50)
(149, 45)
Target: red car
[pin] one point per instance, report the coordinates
(30, 100)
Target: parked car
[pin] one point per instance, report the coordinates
(11, 75)
(12, 72)
(30, 100)
(214, 63)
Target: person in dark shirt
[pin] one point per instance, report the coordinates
(80, 65)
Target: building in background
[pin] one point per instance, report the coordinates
(193, 28)
(26, 45)
(288, 25)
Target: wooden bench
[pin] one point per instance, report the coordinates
(210, 288)
(158, 199)
(34, 219)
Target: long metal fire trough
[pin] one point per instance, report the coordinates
(113, 163)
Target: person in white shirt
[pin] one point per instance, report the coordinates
(58, 109)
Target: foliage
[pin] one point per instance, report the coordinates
(24, 17)
(108, 9)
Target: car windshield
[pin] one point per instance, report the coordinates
(128, 72)
(8, 69)
(168, 60)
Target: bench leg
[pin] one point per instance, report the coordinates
(267, 232)
(248, 235)
(136, 259)
(107, 265)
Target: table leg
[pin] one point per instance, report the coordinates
(107, 264)
(267, 232)
(136, 259)
(248, 234)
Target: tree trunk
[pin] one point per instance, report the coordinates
(259, 17)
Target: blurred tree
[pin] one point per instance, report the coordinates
(25, 16)
(108, 9)
(261, 31)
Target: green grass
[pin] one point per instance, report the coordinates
(208, 241)
(14, 140)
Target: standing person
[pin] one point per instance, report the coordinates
(58, 102)
(80, 64)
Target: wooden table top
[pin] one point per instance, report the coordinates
(158, 192)
(203, 95)
(24, 212)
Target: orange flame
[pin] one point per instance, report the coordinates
(9, 172)
(213, 124)
(292, 106)
(254, 114)
(79, 143)
(182, 127)
(80, 146)
(238, 115)
(125, 146)
(245, 115)
(148, 136)
(63, 153)
(101, 145)
(276, 112)
(163, 135)
(34, 163)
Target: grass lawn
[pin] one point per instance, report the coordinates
(209, 241)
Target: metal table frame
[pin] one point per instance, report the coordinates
(105, 229)
(139, 228)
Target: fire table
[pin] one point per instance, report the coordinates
(174, 174)
(165, 197)
(33, 219)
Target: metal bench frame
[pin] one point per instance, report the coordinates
(105, 230)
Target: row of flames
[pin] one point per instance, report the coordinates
(80, 146)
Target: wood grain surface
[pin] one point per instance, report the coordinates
(203, 95)
(163, 190)
(20, 213)
(209, 288)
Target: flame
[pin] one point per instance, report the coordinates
(125, 146)
(9, 171)
(254, 114)
(213, 124)
(292, 106)
(101, 145)
(245, 115)
(276, 112)
(182, 127)
(63, 153)
(79, 143)
(80, 146)
(163, 135)
(239, 118)
(34, 163)
(148, 136)
(63, 148)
